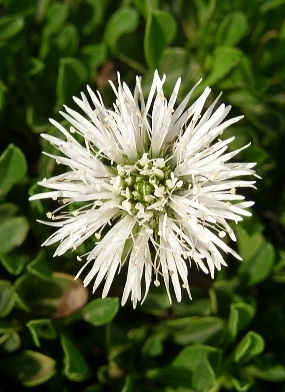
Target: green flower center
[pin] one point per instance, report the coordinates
(144, 187)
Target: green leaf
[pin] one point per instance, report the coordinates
(71, 76)
(195, 366)
(37, 122)
(56, 16)
(13, 168)
(128, 50)
(67, 41)
(156, 302)
(30, 368)
(129, 384)
(144, 6)
(100, 311)
(257, 268)
(10, 26)
(270, 5)
(192, 330)
(160, 31)
(251, 345)
(249, 240)
(221, 294)
(225, 59)
(240, 316)
(34, 66)
(41, 328)
(13, 263)
(10, 342)
(93, 56)
(153, 346)
(13, 230)
(232, 29)
(40, 267)
(172, 63)
(269, 368)
(240, 384)
(194, 358)
(75, 366)
(22, 286)
(55, 19)
(124, 20)
(9, 326)
(58, 296)
(7, 299)
(205, 11)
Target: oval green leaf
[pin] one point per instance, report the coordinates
(124, 20)
(71, 76)
(240, 316)
(101, 311)
(75, 366)
(232, 29)
(191, 330)
(6, 298)
(257, 268)
(13, 263)
(13, 232)
(40, 267)
(252, 344)
(41, 328)
(13, 168)
(10, 26)
(160, 31)
(225, 59)
(29, 367)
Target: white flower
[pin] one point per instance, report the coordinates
(152, 184)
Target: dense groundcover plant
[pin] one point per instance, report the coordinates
(56, 334)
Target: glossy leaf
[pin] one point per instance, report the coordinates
(240, 316)
(160, 31)
(270, 367)
(250, 240)
(225, 59)
(257, 268)
(13, 230)
(124, 20)
(10, 26)
(93, 56)
(13, 263)
(195, 367)
(7, 299)
(69, 69)
(30, 368)
(232, 29)
(10, 342)
(153, 346)
(67, 41)
(251, 345)
(41, 328)
(144, 6)
(13, 168)
(34, 66)
(56, 16)
(75, 366)
(192, 330)
(39, 266)
(100, 311)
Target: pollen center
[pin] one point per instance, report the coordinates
(144, 187)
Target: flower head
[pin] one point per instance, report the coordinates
(151, 185)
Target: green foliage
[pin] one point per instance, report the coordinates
(54, 334)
